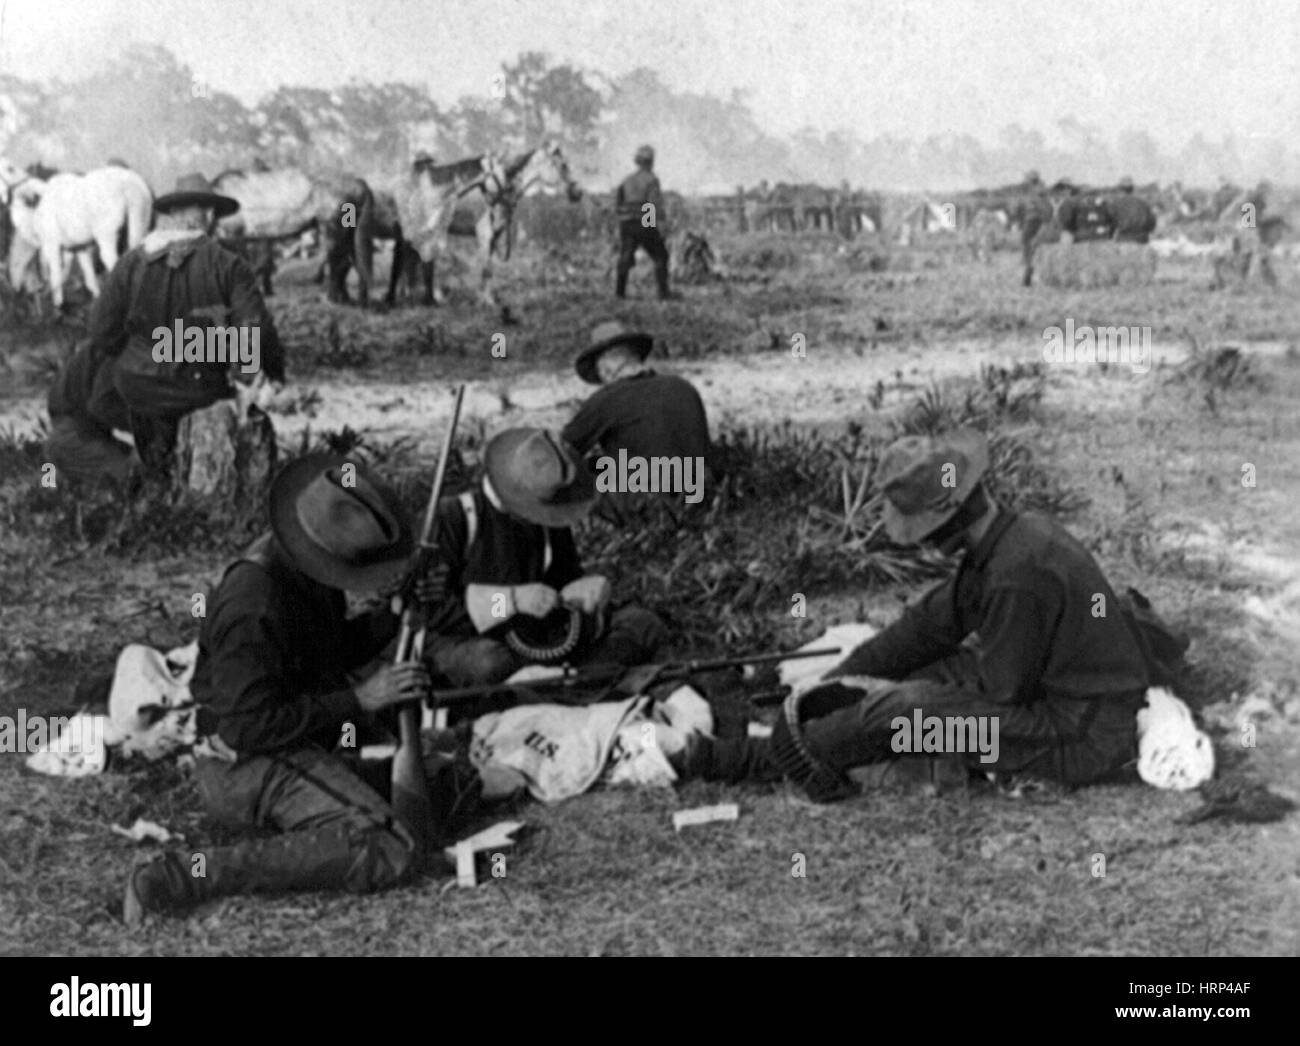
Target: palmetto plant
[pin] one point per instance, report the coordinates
(798, 512)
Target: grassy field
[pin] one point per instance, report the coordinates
(1149, 466)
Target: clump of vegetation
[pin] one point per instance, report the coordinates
(1212, 373)
(796, 511)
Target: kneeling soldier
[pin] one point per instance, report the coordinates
(1027, 635)
(272, 684)
(180, 274)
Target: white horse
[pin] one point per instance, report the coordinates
(477, 198)
(74, 212)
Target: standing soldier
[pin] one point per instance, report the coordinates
(640, 207)
(1032, 212)
(1259, 234)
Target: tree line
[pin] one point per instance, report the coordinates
(148, 108)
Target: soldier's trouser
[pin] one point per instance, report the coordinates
(632, 234)
(155, 442)
(634, 637)
(1028, 245)
(87, 453)
(1074, 742)
(1259, 258)
(335, 831)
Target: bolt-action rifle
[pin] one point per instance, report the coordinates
(410, 793)
(580, 687)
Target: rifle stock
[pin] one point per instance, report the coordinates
(410, 790)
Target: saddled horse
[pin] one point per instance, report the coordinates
(426, 201)
(108, 209)
(476, 198)
(275, 206)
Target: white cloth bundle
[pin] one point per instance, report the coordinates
(1172, 753)
(150, 712)
(150, 702)
(78, 750)
(556, 752)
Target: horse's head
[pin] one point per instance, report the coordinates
(22, 196)
(545, 169)
(10, 178)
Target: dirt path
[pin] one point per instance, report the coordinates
(828, 385)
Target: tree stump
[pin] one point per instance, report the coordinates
(225, 453)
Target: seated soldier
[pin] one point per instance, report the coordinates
(512, 564)
(275, 697)
(638, 411)
(1027, 634)
(635, 409)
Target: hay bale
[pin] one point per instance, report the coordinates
(1095, 263)
(225, 453)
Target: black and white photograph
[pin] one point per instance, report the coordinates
(564, 478)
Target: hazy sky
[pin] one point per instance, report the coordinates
(913, 67)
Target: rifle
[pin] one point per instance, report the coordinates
(410, 795)
(631, 680)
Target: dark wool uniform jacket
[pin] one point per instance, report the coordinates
(275, 650)
(1028, 590)
(85, 388)
(637, 189)
(196, 281)
(506, 551)
(647, 414)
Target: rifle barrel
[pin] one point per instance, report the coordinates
(756, 659)
(601, 676)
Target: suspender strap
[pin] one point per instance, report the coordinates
(468, 507)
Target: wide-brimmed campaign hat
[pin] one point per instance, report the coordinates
(539, 477)
(345, 529)
(605, 336)
(925, 480)
(193, 190)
